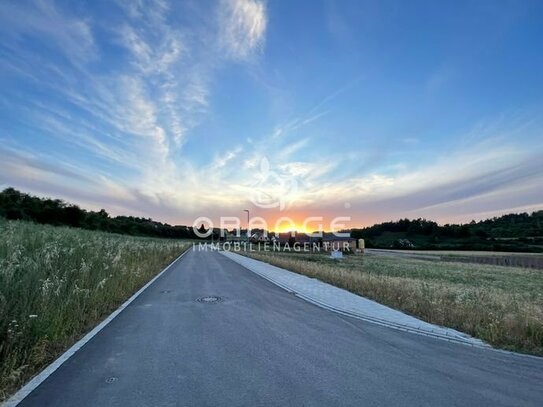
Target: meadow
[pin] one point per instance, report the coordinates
(500, 305)
(56, 283)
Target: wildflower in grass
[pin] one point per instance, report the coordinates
(46, 286)
(83, 291)
(101, 283)
(117, 258)
(84, 268)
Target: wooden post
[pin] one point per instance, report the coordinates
(361, 245)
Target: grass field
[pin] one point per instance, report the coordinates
(501, 305)
(56, 283)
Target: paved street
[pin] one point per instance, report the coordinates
(261, 345)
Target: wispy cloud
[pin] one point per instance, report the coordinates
(314, 113)
(147, 105)
(45, 23)
(242, 25)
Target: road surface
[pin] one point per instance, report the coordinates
(262, 346)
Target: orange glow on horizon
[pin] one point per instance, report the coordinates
(302, 223)
(285, 228)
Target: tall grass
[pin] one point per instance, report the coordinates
(500, 305)
(58, 282)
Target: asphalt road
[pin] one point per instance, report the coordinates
(262, 346)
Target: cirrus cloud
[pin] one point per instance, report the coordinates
(242, 27)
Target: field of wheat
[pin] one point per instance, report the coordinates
(56, 283)
(500, 305)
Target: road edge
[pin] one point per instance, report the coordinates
(31, 385)
(363, 317)
(387, 324)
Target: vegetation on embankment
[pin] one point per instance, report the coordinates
(56, 283)
(500, 305)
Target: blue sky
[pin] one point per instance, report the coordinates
(370, 109)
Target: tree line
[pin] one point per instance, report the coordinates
(18, 205)
(522, 225)
(512, 232)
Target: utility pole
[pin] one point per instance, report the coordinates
(247, 210)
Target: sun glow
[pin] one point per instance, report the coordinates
(286, 227)
(299, 223)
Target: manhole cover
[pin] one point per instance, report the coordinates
(210, 299)
(111, 379)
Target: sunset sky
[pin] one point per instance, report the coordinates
(370, 109)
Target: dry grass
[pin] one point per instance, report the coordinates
(500, 305)
(57, 282)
